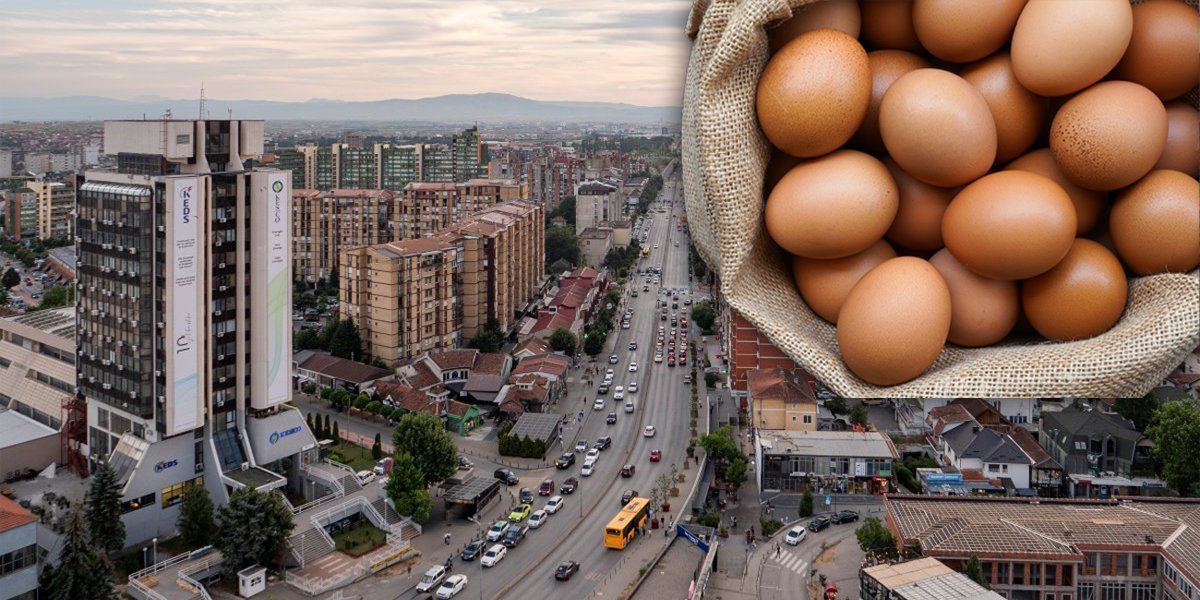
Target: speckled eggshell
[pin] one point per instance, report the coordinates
(983, 310)
(1182, 152)
(894, 323)
(824, 284)
(887, 24)
(779, 165)
(1162, 53)
(1089, 204)
(1109, 136)
(1019, 114)
(1063, 46)
(918, 222)
(886, 67)
(1155, 224)
(964, 30)
(842, 15)
(1081, 297)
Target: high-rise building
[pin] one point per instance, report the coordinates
(597, 203)
(55, 202)
(478, 194)
(470, 155)
(326, 223)
(184, 308)
(398, 165)
(6, 163)
(425, 208)
(355, 167)
(21, 212)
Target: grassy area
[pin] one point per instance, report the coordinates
(357, 457)
(360, 539)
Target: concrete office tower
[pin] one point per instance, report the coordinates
(184, 304)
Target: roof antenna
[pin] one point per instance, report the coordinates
(201, 100)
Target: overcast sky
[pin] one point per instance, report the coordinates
(631, 51)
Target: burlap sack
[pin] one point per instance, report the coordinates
(724, 156)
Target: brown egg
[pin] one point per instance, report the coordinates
(1082, 296)
(842, 15)
(1010, 225)
(964, 30)
(982, 310)
(832, 206)
(1062, 47)
(938, 128)
(1109, 135)
(824, 284)
(886, 67)
(780, 164)
(1182, 152)
(918, 222)
(813, 94)
(1089, 204)
(1019, 113)
(1162, 53)
(894, 323)
(1155, 224)
(887, 24)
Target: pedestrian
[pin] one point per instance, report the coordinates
(446, 538)
(409, 570)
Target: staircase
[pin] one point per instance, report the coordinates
(309, 545)
(350, 484)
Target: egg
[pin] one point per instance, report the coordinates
(887, 24)
(842, 15)
(813, 94)
(1162, 53)
(1109, 135)
(964, 30)
(1010, 225)
(1060, 47)
(1182, 152)
(894, 323)
(938, 127)
(1155, 224)
(982, 310)
(833, 206)
(824, 284)
(777, 167)
(1089, 204)
(886, 67)
(1081, 297)
(1019, 114)
(918, 222)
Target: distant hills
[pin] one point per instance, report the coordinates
(486, 108)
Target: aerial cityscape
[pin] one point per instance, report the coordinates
(275, 331)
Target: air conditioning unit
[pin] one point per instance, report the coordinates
(158, 373)
(222, 380)
(132, 250)
(120, 248)
(134, 347)
(221, 266)
(221, 357)
(106, 222)
(216, 313)
(160, 324)
(222, 220)
(91, 380)
(133, 394)
(134, 322)
(94, 312)
(106, 362)
(107, 386)
(223, 288)
(106, 246)
(161, 228)
(105, 269)
(245, 465)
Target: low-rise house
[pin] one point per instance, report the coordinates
(1087, 441)
(18, 551)
(461, 417)
(530, 346)
(834, 461)
(781, 399)
(487, 376)
(550, 371)
(329, 371)
(995, 454)
(434, 401)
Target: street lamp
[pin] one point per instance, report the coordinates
(145, 562)
(479, 557)
(154, 554)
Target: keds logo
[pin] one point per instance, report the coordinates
(185, 196)
(278, 435)
(163, 465)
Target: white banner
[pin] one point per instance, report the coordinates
(276, 232)
(184, 213)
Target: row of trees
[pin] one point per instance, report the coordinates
(597, 332)
(27, 252)
(339, 337)
(649, 193)
(722, 447)
(621, 258)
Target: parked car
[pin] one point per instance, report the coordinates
(565, 570)
(493, 555)
(627, 470)
(520, 513)
(507, 476)
(496, 531)
(452, 586)
(568, 486)
(628, 495)
(554, 505)
(538, 518)
(365, 477)
(565, 461)
(464, 464)
(471, 552)
(844, 516)
(380, 467)
(795, 535)
(513, 536)
(546, 488)
(432, 578)
(818, 524)
(603, 443)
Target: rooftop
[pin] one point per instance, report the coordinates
(343, 369)
(16, 429)
(788, 385)
(859, 444)
(58, 321)
(454, 359)
(538, 426)
(12, 515)
(552, 364)
(927, 579)
(534, 345)
(985, 444)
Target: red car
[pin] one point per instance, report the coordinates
(655, 455)
(547, 488)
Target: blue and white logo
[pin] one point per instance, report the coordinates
(278, 435)
(163, 465)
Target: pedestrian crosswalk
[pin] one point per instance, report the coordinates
(792, 562)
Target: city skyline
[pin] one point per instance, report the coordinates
(634, 52)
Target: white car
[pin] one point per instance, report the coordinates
(538, 518)
(619, 393)
(598, 404)
(633, 367)
(365, 477)
(432, 578)
(649, 431)
(629, 406)
(554, 504)
(493, 555)
(608, 374)
(632, 387)
(795, 535)
(451, 587)
(592, 455)
(588, 469)
(496, 531)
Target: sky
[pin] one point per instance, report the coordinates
(632, 51)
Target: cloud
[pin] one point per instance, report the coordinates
(619, 50)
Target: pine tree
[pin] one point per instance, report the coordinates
(377, 448)
(337, 435)
(309, 418)
(196, 525)
(254, 527)
(974, 570)
(103, 506)
(806, 504)
(325, 427)
(82, 573)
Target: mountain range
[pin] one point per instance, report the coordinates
(484, 108)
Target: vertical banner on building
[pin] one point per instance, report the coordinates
(271, 258)
(184, 214)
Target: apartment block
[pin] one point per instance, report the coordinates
(478, 194)
(55, 203)
(326, 223)
(425, 208)
(746, 349)
(21, 213)
(398, 165)
(18, 551)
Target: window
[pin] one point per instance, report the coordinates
(1143, 591)
(807, 419)
(18, 559)
(173, 495)
(137, 503)
(1112, 591)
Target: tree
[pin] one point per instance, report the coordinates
(325, 429)
(703, 315)
(306, 339)
(345, 341)
(1139, 410)
(721, 444)
(974, 571)
(735, 474)
(339, 399)
(1176, 437)
(11, 277)
(874, 537)
(593, 342)
(490, 338)
(377, 448)
(423, 436)
(336, 435)
(196, 524)
(561, 244)
(82, 573)
(361, 401)
(406, 488)
(254, 527)
(566, 210)
(858, 415)
(710, 379)
(806, 504)
(309, 388)
(57, 297)
(562, 340)
(837, 406)
(4, 297)
(103, 509)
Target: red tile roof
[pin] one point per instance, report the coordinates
(563, 318)
(423, 376)
(458, 409)
(409, 399)
(512, 405)
(778, 383)
(489, 363)
(553, 364)
(12, 515)
(343, 369)
(534, 345)
(448, 360)
(1030, 446)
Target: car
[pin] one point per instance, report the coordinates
(844, 516)
(471, 552)
(538, 518)
(601, 389)
(588, 469)
(365, 477)
(554, 504)
(633, 367)
(619, 393)
(520, 513)
(598, 404)
(593, 454)
(687, 378)
(628, 495)
(632, 389)
(507, 476)
(603, 443)
(795, 535)
(609, 373)
(513, 535)
(645, 288)
(612, 359)
(649, 431)
(581, 446)
(496, 531)
(671, 361)
(569, 486)
(625, 324)
(611, 419)
(432, 578)
(493, 555)
(818, 524)
(380, 467)
(655, 455)
(658, 357)
(565, 570)
(627, 471)
(526, 495)
(452, 586)
(546, 488)
(629, 406)
(565, 461)
(464, 464)
(632, 346)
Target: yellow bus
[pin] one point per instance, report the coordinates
(622, 528)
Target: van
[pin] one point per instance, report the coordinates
(432, 578)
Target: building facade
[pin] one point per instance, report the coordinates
(21, 214)
(18, 551)
(781, 399)
(37, 364)
(504, 249)
(824, 461)
(326, 223)
(425, 208)
(55, 203)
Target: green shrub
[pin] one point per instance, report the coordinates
(769, 526)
